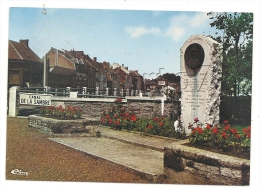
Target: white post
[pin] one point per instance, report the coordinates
(12, 109)
(44, 70)
(97, 90)
(74, 94)
(84, 91)
(162, 104)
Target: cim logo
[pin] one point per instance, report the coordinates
(19, 172)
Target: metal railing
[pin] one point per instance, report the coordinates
(83, 92)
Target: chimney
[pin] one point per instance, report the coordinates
(95, 59)
(25, 42)
(123, 65)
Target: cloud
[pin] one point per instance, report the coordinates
(199, 19)
(176, 29)
(175, 32)
(138, 31)
(184, 23)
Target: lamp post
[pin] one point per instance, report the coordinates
(144, 82)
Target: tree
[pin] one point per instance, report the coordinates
(237, 36)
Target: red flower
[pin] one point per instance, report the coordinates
(117, 122)
(227, 127)
(110, 121)
(196, 119)
(194, 131)
(133, 118)
(237, 136)
(247, 131)
(200, 131)
(233, 131)
(214, 130)
(226, 122)
(208, 126)
(149, 126)
(118, 100)
(155, 119)
(160, 123)
(224, 134)
(102, 120)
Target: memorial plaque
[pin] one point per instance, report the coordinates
(201, 59)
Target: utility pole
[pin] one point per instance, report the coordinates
(44, 70)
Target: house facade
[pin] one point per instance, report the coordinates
(25, 68)
(61, 71)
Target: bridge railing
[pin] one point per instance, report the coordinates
(82, 92)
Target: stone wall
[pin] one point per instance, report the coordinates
(142, 107)
(217, 168)
(55, 126)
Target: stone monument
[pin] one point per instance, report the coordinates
(201, 67)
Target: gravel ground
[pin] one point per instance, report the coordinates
(30, 151)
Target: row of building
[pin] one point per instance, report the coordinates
(70, 69)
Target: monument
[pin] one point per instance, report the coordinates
(201, 60)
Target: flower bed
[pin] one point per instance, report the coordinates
(223, 139)
(61, 113)
(118, 118)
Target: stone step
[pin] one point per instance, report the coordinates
(147, 163)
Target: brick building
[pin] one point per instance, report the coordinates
(25, 68)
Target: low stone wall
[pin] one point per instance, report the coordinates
(144, 107)
(55, 126)
(217, 168)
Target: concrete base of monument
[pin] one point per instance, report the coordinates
(63, 127)
(218, 168)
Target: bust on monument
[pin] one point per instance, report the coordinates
(194, 56)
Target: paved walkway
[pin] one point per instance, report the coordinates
(141, 154)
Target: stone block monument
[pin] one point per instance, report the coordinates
(201, 67)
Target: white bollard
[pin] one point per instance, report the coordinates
(73, 94)
(12, 109)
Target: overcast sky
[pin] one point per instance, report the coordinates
(143, 40)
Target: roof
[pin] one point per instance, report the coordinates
(21, 51)
(115, 65)
(58, 59)
(97, 65)
(135, 73)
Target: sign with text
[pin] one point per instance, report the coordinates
(161, 83)
(35, 99)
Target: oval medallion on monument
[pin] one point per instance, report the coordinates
(194, 56)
